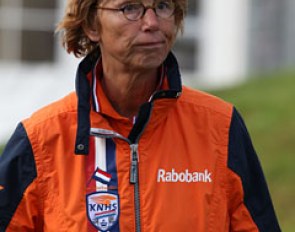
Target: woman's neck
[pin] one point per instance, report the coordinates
(128, 91)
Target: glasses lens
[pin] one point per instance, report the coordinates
(133, 11)
(165, 9)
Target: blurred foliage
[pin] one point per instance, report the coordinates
(267, 106)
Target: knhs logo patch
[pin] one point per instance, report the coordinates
(103, 210)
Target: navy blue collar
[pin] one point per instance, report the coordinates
(84, 93)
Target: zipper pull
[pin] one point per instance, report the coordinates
(134, 163)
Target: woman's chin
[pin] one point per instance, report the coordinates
(149, 61)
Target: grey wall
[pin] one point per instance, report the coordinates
(271, 35)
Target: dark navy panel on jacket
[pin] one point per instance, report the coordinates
(244, 162)
(17, 171)
(112, 169)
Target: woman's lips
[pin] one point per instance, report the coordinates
(150, 44)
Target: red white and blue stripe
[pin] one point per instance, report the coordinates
(102, 176)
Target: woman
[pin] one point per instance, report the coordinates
(131, 150)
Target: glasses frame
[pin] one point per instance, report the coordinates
(145, 8)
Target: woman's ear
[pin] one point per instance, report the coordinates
(92, 33)
(91, 26)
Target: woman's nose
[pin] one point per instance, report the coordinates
(150, 19)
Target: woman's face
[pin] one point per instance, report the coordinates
(141, 44)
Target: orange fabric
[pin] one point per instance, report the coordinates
(185, 135)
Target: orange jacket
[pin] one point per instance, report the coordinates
(185, 164)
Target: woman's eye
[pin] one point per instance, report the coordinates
(131, 7)
(164, 5)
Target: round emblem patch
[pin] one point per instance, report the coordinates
(102, 210)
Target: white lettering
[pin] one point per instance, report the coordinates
(174, 176)
(185, 176)
(207, 176)
(161, 175)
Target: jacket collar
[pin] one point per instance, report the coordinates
(84, 91)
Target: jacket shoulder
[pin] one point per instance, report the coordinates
(206, 101)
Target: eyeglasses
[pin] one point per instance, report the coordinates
(135, 11)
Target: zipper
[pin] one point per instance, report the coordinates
(134, 164)
(102, 133)
(134, 180)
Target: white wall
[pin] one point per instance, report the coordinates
(25, 88)
(223, 54)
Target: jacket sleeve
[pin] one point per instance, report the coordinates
(18, 194)
(250, 202)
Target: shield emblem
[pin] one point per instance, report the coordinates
(102, 210)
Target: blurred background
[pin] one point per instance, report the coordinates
(242, 51)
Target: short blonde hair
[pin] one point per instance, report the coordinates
(80, 14)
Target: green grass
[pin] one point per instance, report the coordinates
(267, 106)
